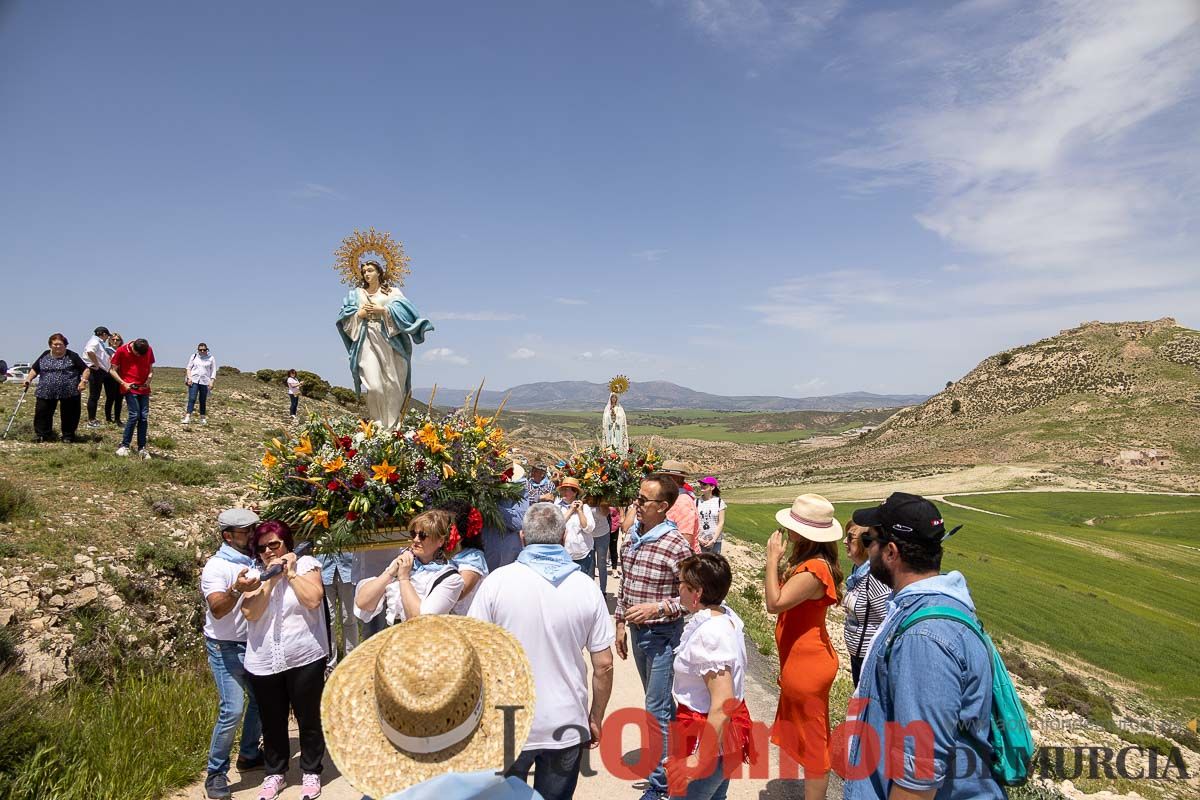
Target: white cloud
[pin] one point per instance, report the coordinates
(314, 191)
(810, 385)
(651, 256)
(445, 355)
(586, 355)
(570, 301)
(766, 27)
(476, 316)
(1059, 139)
(522, 354)
(818, 301)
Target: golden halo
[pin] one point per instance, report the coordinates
(619, 385)
(358, 244)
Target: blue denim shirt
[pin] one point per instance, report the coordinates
(502, 546)
(335, 564)
(940, 674)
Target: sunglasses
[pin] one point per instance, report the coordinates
(868, 539)
(202, 349)
(277, 544)
(420, 536)
(641, 501)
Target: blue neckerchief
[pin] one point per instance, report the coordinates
(432, 566)
(551, 561)
(471, 557)
(231, 554)
(856, 577)
(637, 539)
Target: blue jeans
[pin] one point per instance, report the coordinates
(555, 772)
(600, 558)
(201, 391)
(225, 659)
(139, 416)
(294, 399)
(654, 656)
(585, 563)
(714, 786)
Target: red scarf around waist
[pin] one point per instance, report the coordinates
(736, 738)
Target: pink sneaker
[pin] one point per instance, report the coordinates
(271, 787)
(312, 786)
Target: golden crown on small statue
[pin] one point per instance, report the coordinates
(619, 385)
(358, 244)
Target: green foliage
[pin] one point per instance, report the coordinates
(91, 741)
(271, 375)
(83, 465)
(163, 442)
(313, 385)
(170, 559)
(1005, 359)
(15, 501)
(345, 396)
(955, 406)
(8, 651)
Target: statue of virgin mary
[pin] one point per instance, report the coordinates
(616, 430)
(379, 326)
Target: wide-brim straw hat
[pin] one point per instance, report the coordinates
(570, 483)
(425, 698)
(811, 516)
(672, 467)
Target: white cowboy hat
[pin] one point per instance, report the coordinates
(425, 698)
(811, 516)
(518, 473)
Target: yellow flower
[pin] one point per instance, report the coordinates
(496, 436)
(482, 445)
(482, 421)
(367, 427)
(319, 516)
(334, 465)
(428, 437)
(382, 471)
(449, 434)
(447, 471)
(269, 461)
(305, 448)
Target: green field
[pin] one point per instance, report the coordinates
(1119, 593)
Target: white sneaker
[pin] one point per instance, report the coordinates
(122, 451)
(187, 418)
(145, 454)
(203, 420)
(93, 424)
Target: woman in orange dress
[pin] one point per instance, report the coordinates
(800, 594)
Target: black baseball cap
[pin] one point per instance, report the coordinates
(101, 331)
(905, 516)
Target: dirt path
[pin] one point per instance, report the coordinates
(761, 697)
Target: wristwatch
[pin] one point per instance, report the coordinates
(233, 588)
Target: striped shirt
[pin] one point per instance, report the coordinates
(866, 607)
(650, 574)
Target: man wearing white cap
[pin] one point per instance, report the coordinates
(225, 578)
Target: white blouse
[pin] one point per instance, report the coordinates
(288, 634)
(579, 537)
(439, 600)
(709, 644)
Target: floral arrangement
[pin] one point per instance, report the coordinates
(335, 481)
(604, 473)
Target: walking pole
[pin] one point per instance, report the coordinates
(20, 400)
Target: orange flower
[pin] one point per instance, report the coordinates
(383, 471)
(449, 434)
(496, 436)
(269, 461)
(305, 448)
(334, 465)
(428, 437)
(482, 421)
(319, 516)
(447, 471)
(367, 427)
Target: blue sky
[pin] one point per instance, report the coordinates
(743, 197)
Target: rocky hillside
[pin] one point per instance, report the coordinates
(1114, 401)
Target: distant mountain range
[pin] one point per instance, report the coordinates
(651, 395)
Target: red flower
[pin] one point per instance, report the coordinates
(641, 462)
(452, 541)
(351, 516)
(393, 478)
(420, 465)
(351, 453)
(358, 480)
(612, 456)
(301, 469)
(332, 486)
(507, 474)
(474, 523)
(344, 442)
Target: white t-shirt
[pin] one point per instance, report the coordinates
(293, 386)
(554, 624)
(96, 347)
(287, 635)
(434, 600)
(709, 512)
(217, 576)
(579, 537)
(706, 645)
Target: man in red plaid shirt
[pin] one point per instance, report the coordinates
(648, 604)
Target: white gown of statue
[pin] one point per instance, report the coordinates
(382, 370)
(616, 431)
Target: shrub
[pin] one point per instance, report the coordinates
(163, 442)
(345, 396)
(271, 375)
(163, 508)
(227, 369)
(8, 653)
(956, 406)
(313, 385)
(1005, 359)
(15, 501)
(22, 718)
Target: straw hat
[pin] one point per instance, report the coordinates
(391, 720)
(811, 516)
(672, 467)
(570, 483)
